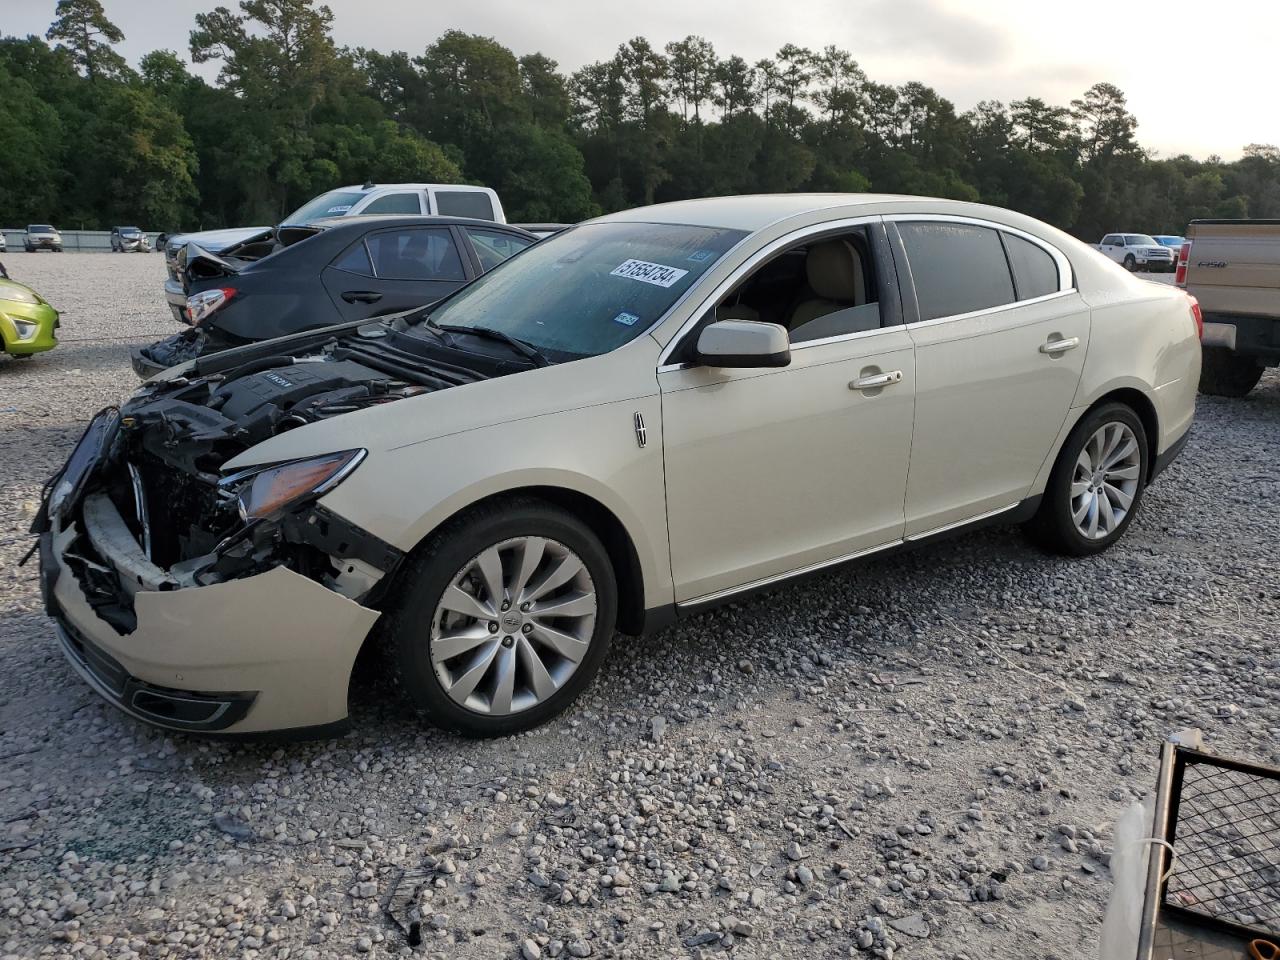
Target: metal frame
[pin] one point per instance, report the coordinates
(1174, 762)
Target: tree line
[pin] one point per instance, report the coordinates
(88, 140)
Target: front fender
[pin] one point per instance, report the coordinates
(403, 494)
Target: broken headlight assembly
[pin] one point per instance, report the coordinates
(264, 493)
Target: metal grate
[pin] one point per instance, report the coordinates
(1225, 827)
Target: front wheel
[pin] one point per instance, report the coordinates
(1096, 486)
(1130, 263)
(505, 617)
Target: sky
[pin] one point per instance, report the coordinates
(1194, 74)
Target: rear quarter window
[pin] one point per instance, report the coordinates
(956, 267)
(1035, 272)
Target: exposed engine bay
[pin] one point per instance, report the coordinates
(154, 510)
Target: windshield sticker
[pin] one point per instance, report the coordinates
(646, 272)
(340, 208)
(701, 256)
(626, 319)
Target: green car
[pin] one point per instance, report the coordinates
(27, 323)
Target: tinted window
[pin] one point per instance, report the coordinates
(591, 289)
(335, 203)
(464, 203)
(415, 255)
(1034, 271)
(1109, 240)
(494, 246)
(355, 260)
(395, 203)
(957, 268)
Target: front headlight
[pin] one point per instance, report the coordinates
(266, 493)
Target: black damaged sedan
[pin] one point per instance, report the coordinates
(327, 272)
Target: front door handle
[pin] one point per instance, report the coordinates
(1060, 346)
(876, 380)
(361, 296)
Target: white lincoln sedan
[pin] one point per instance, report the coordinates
(640, 417)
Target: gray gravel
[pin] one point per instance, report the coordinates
(922, 757)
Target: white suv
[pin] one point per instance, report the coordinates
(1137, 251)
(400, 199)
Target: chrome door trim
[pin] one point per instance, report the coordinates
(990, 310)
(924, 535)
(797, 572)
(747, 266)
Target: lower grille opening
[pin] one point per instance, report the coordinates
(165, 706)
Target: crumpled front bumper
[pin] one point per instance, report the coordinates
(271, 652)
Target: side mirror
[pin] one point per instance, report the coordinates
(744, 343)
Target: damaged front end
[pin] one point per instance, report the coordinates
(154, 510)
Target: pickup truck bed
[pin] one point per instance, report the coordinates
(1233, 268)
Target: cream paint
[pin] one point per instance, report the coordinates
(295, 644)
(766, 472)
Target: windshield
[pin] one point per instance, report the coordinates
(1142, 239)
(40, 228)
(591, 289)
(130, 231)
(335, 203)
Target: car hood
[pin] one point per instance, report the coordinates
(625, 373)
(215, 241)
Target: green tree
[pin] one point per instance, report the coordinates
(83, 29)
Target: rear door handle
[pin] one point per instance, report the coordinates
(876, 380)
(1060, 346)
(361, 296)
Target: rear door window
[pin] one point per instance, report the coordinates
(1035, 273)
(415, 254)
(355, 260)
(957, 268)
(494, 246)
(393, 203)
(464, 203)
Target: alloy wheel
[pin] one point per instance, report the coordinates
(1105, 480)
(513, 625)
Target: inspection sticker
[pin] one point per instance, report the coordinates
(626, 319)
(646, 272)
(698, 256)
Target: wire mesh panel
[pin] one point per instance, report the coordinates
(1225, 827)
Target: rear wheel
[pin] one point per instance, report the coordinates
(1226, 374)
(1097, 484)
(505, 618)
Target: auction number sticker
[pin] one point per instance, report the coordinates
(646, 272)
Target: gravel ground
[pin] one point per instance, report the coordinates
(922, 757)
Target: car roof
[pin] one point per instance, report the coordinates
(363, 220)
(754, 212)
(370, 187)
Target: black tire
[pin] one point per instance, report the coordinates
(406, 627)
(1053, 527)
(1226, 374)
(1130, 262)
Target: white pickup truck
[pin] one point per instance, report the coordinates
(1137, 251)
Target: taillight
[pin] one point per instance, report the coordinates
(1180, 278)
(1197, 314)
(202, 304)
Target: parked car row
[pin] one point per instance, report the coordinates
(635, 419)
